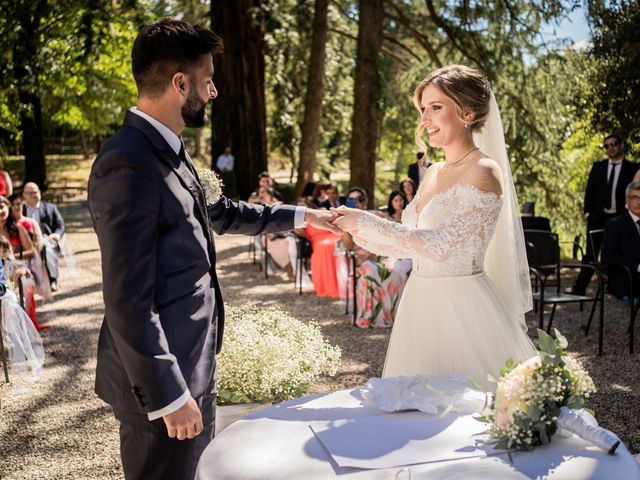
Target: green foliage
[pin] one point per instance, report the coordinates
(616, 82)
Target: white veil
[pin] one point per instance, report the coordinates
(506, 258)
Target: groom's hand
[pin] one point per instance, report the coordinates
(186, 422)
(322, 219)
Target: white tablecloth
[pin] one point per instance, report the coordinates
(278, 443)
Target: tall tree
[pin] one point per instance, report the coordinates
(313, 99)
(364, 136)
(239, 113)
(27, 43)
(616, 81)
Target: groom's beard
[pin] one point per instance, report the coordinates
(194, 111)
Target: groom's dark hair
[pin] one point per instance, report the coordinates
(168, 46)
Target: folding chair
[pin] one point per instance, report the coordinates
(351, 283)
(543, 255)
(603, 271)
(304, 256)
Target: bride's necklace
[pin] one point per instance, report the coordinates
(452, 164)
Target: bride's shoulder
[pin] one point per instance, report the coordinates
(486, 175)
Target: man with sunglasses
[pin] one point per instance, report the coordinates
(604, 198)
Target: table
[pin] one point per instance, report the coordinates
(278, 443)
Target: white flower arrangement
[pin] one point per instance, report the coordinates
(211, 185)
(268, 355)
(536, 397)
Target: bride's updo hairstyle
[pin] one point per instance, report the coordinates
(467, 87)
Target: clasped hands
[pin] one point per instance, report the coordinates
(336, 220)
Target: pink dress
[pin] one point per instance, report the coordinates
(323, 262)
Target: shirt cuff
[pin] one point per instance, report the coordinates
(298, 219)
(172, 407)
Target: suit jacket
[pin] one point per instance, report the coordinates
(596, 191)
(414, 173)
(621, 244)
(342, 200)
(164, 313)
(51, 220)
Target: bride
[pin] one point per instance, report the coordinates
(463, 307)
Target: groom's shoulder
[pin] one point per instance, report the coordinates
(127, 144)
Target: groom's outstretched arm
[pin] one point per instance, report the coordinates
(124, 198)
(227, 216)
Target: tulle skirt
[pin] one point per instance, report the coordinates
(448, 325)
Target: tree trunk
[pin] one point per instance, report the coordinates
(364, 136)
(313, 99)
(239, 112)
(25, 69)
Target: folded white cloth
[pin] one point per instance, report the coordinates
(434, 395)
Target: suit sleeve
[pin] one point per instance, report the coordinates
(589, 190)
(227, 216)
(612, 246)
(57, 221)
(124, 198)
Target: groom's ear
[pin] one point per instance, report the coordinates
(178, 82)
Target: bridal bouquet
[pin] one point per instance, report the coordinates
(211, 185)
(270, 355)
(535, 398)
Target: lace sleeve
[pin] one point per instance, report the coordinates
(466, 217)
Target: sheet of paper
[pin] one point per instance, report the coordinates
(403, 438)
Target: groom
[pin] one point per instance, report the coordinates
(164, 313)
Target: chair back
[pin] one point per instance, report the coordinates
(529, 209)
(543, 252)
(536, 223)
(596, 237)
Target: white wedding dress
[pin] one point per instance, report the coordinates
(451, 318)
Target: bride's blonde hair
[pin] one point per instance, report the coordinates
(467, 87)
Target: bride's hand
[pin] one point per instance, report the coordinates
(348, 219)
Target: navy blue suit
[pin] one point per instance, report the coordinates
(164, 313)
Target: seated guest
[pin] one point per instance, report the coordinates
(621, 245)
(379, 283)
(281, 246)
(409, 189)
(17, 271)
(265, 180)
(34, 264)
(323, 261)
(334, 199)
(395, 206)
(6, 187)
(52, 225)
(319, 194)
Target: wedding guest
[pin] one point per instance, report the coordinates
(265, 180)
(281, 246)
(6, 186)
(18, 272)
(395, 206)
(604, 198)
(319, 194)
(334, 199)
(164, 311)
(621, 245)
(379, 285)
(225, 161)
(52, 225)
(418, 169)
(35, 264)
(323, 261)
(408, 188)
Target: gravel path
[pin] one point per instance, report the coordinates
(57, 428)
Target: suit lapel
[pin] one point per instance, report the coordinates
(631, 225)
(188, 180)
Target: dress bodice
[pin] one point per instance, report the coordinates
(448, 237)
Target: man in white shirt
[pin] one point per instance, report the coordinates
(225, 161)
(604, 198)
(164, 312)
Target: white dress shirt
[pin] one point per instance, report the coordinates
(34, 212)
(225, 163)
(175, 143)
